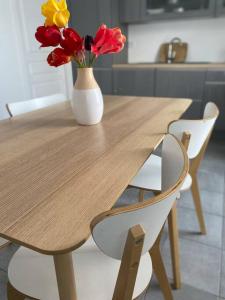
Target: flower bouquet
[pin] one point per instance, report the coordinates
(87, 102)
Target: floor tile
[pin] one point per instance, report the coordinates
(212, 202)
(200, 265)
(211, 180)
(222, 286)
(189, 227)
(185, 293)
(3, 285)
(154, 292)
(190, 293)
(222, 282)
(213, 159)
(5, 256)
(215, 151)
(223, 237)
(130, 196)
(224, 201)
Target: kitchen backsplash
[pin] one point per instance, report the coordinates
(206, 39)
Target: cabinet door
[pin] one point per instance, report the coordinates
(87, 16)
(136, 11)
(220, 7)
(215, 92)
(180, 83)
(213, 75)
(181, 8)
(133, 82)
(133, 11)
(104, 79)
(195, 111)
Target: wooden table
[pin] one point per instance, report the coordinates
(56, 176)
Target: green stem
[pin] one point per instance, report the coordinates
(84, 61)
(89, 59)
(79, 64)
(92, 60)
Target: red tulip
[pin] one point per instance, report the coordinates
(58, 57)
(72, 42)
(48, 36)
(108, 40)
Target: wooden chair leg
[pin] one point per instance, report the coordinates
(174, 246)
(160, 271)
(197, 203)
(129, 265)
(141, 195)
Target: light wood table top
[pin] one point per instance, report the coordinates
(56, 176)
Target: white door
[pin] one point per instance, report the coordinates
(25, 73)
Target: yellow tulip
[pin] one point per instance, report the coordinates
(56, 13)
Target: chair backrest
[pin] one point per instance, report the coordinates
(18, 108)
(110, 229)
(199, 129)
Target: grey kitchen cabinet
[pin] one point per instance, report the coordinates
(104, 78)
(87, 16)
(215, 91)
(134, 11)
(174, 9)
(133, 82)
(195, 111)
(220, 7)
(215, 75)
(180, 83)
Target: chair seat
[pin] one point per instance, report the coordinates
(3, 243)
(149, 176)
(33, 274)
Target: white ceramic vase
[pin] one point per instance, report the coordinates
(87, 100)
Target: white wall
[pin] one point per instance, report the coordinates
(206, 39)
(25, 73)
(11, 83)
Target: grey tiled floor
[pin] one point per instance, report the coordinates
(202, 257)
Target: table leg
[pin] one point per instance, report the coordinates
(65, 276)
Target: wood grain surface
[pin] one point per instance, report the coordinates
(56, 176)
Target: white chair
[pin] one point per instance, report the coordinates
(18, 108)
(195, 135)
(114, 263)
